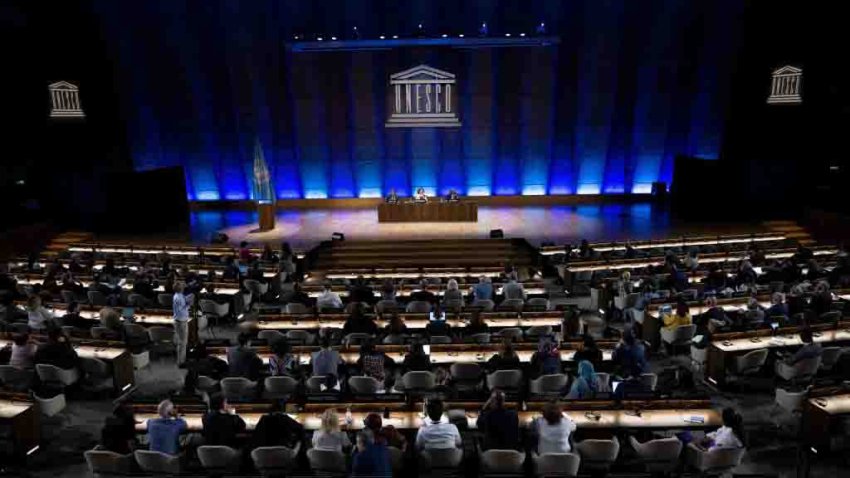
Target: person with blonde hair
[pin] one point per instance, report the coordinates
(329, 436)
(164, 432)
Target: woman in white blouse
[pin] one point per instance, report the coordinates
(727, 436)
(329, 437)
(38, 318)
(553, 430)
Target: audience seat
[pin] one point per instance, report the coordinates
(650, 380)
(802, 371)
(96, 298)
(98, 374)
(440, 339)
(68, 296)
(716, 461)
(384, 306)
(513, 333)
(214, 310)
(482, 338)
(364, 385)
(219, 459)
(441, 458)
(299, 337)
(789, 401)
(553, 385)
(678, 336)
(537, 331)
(206, 384)
(748, 364)
(108, 464)
(603, 381)
(560, 465)
(539, 302)
(658, 456)
(52, 374)
(830, 357)
(486, 305)
(327, 461)
(165, 301)
(271, 336)
(466, 376)
(51, 406)
(598, 455)
(418, 307)
(238, 388)
(297, 308)
(255, 287)
(157, 463)
(502, 461)
(162, 339)
(511, 305)
(356, 338)
(505, 380)
(278, 388)
(274, 460)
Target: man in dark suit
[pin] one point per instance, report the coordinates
(423, 294)
(499, 425)
(276, 428)
(361, 292)
(243, 360)
(222, 428)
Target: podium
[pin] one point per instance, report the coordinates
(266, 210)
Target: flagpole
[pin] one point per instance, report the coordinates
(263, 190)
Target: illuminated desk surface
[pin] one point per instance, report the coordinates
(590, 266)
(834, 404)
(783, 339)
(224, 289)
(412, 321)
(13, 408)
(107, 353)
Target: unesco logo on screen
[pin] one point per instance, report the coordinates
(422, 97)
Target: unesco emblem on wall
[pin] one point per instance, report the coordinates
(422, 97)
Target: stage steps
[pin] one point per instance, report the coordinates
(462, 254)
(791, 230)
(60, 243)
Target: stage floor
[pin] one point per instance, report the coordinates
(304, 228)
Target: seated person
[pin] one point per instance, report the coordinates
(38, 318)
(422, 294)
(632, 387)
(372, 457)
(476, 325)
(283, 362)
(586, 383)
(328, 436)
(417, 360)
(730, 435)
(420, 195)
(809, 350)
(630, 354)
(57, 351)
(374, 363)
(392, 197)
(453, 196)
(547, 359)
(359, 323)
(483, 290)
(395, 327)
(821, 302)
(387, 434)
(436, 434)
(276, 428)
(325, 361)
(589, 351)
(553, 430)
(498, 424)
(754, 316)
(242, 361)
(778, 307)
(438, 327)
(328, 299)
(682, 316)
(506, 359)
(452, 293)
(23, 352)
(118, 434)
(361, 292)
(110, 319)
(715, 317)
(221, 426)
(164, 432)
(73, 319)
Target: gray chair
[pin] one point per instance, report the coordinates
(277, 388)
(598, 455)
(108, 464)
(715, 461)
(356, 338)
(504, 380)
(206, 384)
(297, 308)
(466, 376)
(102, 333)
(219, 459)
(511, 305)
(136, 334)
(748, 364)
(96, 298)
(141, 359)
(157, 463)
(162, 339)
(364, 385)
(237, 389)
(51, 406)
(658, 456)
(214, 310)
(678, 336)
(699, 357)
(396, 459)
(513, 333)
(453, 304)
(418, 381)
(831, 316)
(137, 300)
(271, 336)
(539, 302)
(384, 306)
(829, 357)
(561, 465)
(482, 338)
(650, 380)
(55, 375)
(603, 382)
(441, 458)
(802, 371)
(418, 307)
(534, 332)
(15, 379)
(314, 384)
(326, 461)
(299, 337)
(789, 402)
(165, 300)
(395, 339)
(502, 461)
(274, 460)
(486, 305)
(550, 385)
(68, 296)
(98, 375)
(256, 288)
(440, 339)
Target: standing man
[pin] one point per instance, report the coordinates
(180, 305)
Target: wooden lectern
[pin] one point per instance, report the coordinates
(266, 210)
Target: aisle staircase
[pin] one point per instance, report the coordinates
(61, 242)
(791, 229)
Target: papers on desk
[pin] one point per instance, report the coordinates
(695, 420)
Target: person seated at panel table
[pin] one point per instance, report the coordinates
(586, 383)
(589, 352)
(416, 359)
(164, 432)
(505, 359)
(71, 284)
(420, 196)
(476, 325)
(57, 351)
(483, 290)
(754, 316)
(498, 424)
(552, 430)
(388, 290)
(438, 327)
(630, 354)
(144, 285)
(110, 319)
(682, 316)
(328, 299)
(276, 428)
(359, 323)
(821, 301)
(396, 331)
(633, 387)
(452, 196)
(435, 433)
(716, 278)
(243, 361)
(809, 350)
(222, 426)
(392, 197)
(329, 436)
(714, 317)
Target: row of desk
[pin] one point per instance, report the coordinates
(416, 321)
(745, 239)
(598, 415)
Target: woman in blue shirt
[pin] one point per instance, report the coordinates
(586, 384)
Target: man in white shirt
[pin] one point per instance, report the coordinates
(180, 305)
(328, 299)
(436, 434)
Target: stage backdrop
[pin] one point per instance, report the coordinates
(629, 85)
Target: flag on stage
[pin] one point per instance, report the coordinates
(263, 191)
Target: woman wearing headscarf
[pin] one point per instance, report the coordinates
(586, 383)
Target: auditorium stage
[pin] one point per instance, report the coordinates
(304, 227)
